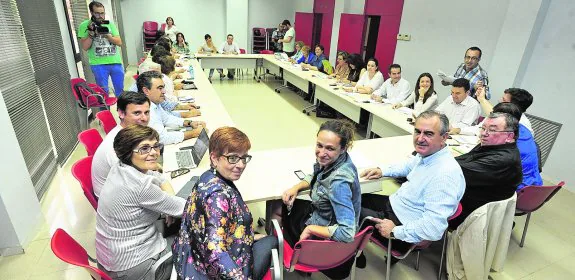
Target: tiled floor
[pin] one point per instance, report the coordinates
(548, 253)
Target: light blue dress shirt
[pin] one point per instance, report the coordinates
(166, 105)
(434, 186)
(159, 119)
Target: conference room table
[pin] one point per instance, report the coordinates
(231, 61)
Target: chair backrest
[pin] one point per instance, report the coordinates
(106, 120)
(91, 139)
(531, 198)
(242, 51)
(70, 251)
(150, 26)
(546, 133)
(266, 52)
(82, 171)
(163, 27)
(457, 212)
(325, 254)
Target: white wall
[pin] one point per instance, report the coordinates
(237, 22)
(549, 77)
(354, 6)
(441, 31)
(19, 207)
(194, 18)
(268, 14)
(303, 6)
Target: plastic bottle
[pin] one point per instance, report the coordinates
(191, 70)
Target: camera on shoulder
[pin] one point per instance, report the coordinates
(97, 27)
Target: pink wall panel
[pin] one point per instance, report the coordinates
(325, 7)
(303, 27)
(351, 30)
(383, 7)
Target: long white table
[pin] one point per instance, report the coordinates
(232, 61)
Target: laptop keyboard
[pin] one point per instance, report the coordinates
(185, 159)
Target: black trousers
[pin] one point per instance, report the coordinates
(378, 206)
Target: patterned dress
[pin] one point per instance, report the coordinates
(216, 237)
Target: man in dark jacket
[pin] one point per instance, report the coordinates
(492, 169)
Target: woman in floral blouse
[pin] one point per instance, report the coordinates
(216, 240)
(180, 44)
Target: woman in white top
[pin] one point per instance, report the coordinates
(171, 29)
(132, 199)
(208, 47)
(369, 81)
(424, 96)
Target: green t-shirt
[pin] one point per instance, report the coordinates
(101, 51)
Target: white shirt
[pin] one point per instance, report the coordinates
(226, 48)
(104, 158)
(460, 115)
(289, 46)
(394, 93)
(420, 107)
(474, 130)
(374, 83)
(159, 119)
(171, 32)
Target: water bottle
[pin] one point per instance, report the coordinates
(191, 70)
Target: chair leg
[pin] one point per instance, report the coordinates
(525, 230)
(443, 247)
(388, 270)
(417, 260)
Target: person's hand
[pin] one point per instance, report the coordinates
(478, 84)
(191, 113)
(454, 131)
(385, 226)
(196, 124)
(480, 93)
(306, 234)
(396, 105)
(371, 173)
(445, 83)
(178, 86)
(259, 236)
(376, 98)
(348, 89)
(289, 196)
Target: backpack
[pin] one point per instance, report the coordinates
(83, 90)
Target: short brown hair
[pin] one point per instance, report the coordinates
(129, 138)
(168, 64)
(228, 139)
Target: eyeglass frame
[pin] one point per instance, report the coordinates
(488, 132)
(179, 172)
(245, 159)
(472, 58)
(158, 146)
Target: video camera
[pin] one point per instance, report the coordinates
(97, 28)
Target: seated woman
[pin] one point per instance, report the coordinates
(316, 63)
(298, 54)
(371, 80)
(424, 96)
(342, 67)
(181, 45)
(306, 56)
(132, 199)
(356, 69)
(333, 212)
(208, 47)
(216, 240)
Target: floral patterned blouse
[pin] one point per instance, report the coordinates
(216, 237)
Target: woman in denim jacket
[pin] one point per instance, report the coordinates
(334, 210)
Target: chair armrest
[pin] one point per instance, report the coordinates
(152, 274)
(361, 224)
(280, 237)
(277, 266)
(92, 259)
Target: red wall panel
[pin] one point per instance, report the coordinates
(351, 30)
(326, 8)
(303, 27)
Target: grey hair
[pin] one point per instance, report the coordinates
(510, 122)
(443, 120)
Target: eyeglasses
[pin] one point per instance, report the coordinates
(146, 149)
(471, 58)
(179, 172)
(488, 132)
(233, 159)
(99, 14)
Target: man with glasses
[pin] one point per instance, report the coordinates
(101, 39)
(471, 71)
(421, 206)
(133, 108)
(492, 169)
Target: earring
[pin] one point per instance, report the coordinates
(214, 170)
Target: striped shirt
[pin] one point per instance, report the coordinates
(434, 186)
(475, 75)
(129, 205)
(104, 158)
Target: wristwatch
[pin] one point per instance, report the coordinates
(391, 235)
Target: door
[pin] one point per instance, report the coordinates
(351, 30)
(371, 36)
(303, 26)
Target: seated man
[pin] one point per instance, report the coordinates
(229, 47)
(461, 109)
(152, 85)
(492, 169)
(133, 108)
(395, 89)
(421, 206)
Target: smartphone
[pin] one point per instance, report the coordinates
(332, 85)
(299, 174)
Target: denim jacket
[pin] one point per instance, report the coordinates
(336, 198)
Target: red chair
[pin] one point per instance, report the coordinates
(531, 198)
(150, 29)
(107, 121)
(415, 247)
(243, 51)
(91, 139)
(90, 96)
(70, 251)
(82, 171)
(163, 27)
(266, 52)
(315, 255)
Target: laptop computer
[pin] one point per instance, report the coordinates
(188, 157)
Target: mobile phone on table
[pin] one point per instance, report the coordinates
(299, 174)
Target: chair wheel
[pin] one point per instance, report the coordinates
(307, 113)
(303, 111)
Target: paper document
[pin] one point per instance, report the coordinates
(444, 77)
(465, 139)
(406, 110)
(186, 99)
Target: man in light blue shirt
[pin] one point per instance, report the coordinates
(151, 84)
(420, 208)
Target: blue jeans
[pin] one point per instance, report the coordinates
(262, 253)
(103, 71)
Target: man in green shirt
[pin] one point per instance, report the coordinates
(101, 39)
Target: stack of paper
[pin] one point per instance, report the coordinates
(186, 99)
(465, 139)
(444, 77)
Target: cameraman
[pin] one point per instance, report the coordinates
(101, 39)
